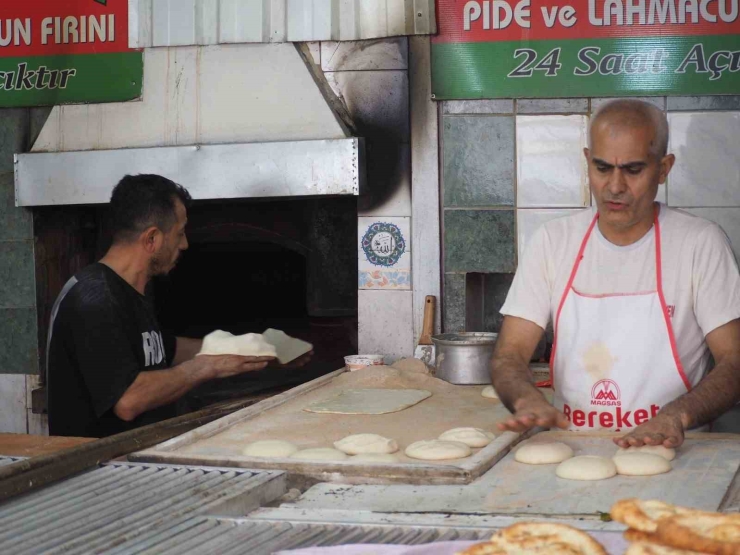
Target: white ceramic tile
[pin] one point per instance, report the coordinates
(385, 324)
(529, 220)
(727, 218)
(13, 416)
(377, 246)
(707, 169)
(551, 167)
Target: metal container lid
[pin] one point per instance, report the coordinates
(465, 338)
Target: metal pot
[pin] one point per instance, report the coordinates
(464, 358)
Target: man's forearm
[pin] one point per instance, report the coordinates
(513, 381)
(156, 388)
(717, 393)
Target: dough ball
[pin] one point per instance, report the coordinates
(586, 467)
(489, 392)
(641, 464)
(543, 453)
(437, 450)
(319, 454)
(472, 437)
(366, 443)
(270, 448)
(222, 342)
(665, 452)
(411, 365)
(376, 457)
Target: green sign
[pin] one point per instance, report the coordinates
(74, 51)
(500, 49)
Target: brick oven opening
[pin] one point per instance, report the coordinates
(252, 264)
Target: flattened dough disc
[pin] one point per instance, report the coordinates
(288, 348)
(369, 401)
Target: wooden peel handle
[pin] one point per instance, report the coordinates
(428, 323)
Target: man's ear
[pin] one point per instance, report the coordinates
(151, 239)
(666, 164)
(586, 153)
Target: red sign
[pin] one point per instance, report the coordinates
(486, 20)
(63, 51)
(32, 28)
(582, 48)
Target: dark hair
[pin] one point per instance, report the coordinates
(142, 201)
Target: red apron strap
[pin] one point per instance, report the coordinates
(568, 286)
(664, 307)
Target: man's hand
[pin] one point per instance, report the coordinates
(225, 366)
(664, 429)
(534, 412)
(297, 363)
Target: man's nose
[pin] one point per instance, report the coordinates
(617, 184)
(184, 246)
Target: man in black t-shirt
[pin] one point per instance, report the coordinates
(110, 366)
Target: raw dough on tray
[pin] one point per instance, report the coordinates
(586, 467)
(369, 401)
(665, 452)
(641, 464)
(436, 450)
(489, 392)
(472, 437)
(366, 443)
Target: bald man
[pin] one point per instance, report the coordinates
(639, 295)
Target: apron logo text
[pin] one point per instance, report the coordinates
(605, 393)
(603, 419)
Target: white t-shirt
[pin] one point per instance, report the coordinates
(701, 282)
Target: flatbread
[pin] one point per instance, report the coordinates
(369, 401)
(538, 538)
(644, 515)
(287, 348)
(222, 342)
(644, 548)
(707, 532)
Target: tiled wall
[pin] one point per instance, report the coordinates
(18, 328)
(509, 166)
(372, 79)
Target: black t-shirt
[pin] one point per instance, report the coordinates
(102, 334)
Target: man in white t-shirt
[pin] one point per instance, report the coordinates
(640, 296)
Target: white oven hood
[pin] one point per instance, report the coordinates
(280, 169)
(240, 121)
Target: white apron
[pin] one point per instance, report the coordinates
(614, 362)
